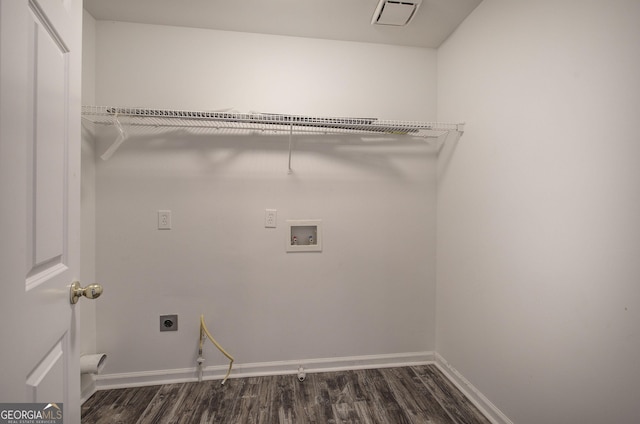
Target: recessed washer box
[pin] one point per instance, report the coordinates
(304, 235)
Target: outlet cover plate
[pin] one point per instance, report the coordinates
(270, 218)
(164, 220)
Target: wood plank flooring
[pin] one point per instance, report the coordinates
(411, 395)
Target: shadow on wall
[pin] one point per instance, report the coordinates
(384, 155)
(447, 151)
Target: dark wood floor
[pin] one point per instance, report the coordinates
(419, 394)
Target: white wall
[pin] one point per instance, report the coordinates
(171, 67)
(371, 290)
(538, 207)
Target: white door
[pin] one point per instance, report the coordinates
(40, 65)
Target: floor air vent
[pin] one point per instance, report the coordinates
(395, 13)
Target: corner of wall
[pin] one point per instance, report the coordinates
(481, 402)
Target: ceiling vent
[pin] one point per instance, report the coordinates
(394, 12)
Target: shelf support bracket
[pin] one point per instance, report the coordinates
(290, 145)
(122, 136)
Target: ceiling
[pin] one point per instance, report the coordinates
(348, 20)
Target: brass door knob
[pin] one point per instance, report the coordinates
(92, 291)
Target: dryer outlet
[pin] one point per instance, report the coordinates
(169, 322)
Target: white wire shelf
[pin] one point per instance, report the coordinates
(234, 123)
(238, 123)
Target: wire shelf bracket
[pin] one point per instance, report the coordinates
(122, 136)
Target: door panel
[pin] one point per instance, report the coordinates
(44, 382)
(50, 106)
(40, 56)
(48, 66)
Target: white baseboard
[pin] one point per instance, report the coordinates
(471, 392)
(87, 390)
(149, 378)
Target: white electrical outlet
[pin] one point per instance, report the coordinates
(164, 220)
(270, 218)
